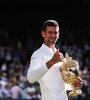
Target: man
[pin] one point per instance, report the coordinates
(45, 65)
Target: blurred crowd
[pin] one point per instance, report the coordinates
(15, 53)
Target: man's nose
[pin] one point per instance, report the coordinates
(53, 34)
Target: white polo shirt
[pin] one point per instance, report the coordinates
(51, 83)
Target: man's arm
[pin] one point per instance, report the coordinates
(36, 69)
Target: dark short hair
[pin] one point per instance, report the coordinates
(49, 23)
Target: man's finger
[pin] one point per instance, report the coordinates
(79, 79)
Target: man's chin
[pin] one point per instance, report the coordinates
(53, 42)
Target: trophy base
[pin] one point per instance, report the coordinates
(75, 93)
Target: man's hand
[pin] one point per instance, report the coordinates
(78, 83)
(57, 57)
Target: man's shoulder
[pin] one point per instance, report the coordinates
(37, 52)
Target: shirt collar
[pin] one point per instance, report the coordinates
(46, 48)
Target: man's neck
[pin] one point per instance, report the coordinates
(52, 46)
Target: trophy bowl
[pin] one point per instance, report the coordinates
(70, 72)
(71, 79)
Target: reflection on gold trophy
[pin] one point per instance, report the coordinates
(70, 71)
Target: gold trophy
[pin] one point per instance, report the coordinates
(70, 71)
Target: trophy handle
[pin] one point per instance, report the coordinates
(75, 92)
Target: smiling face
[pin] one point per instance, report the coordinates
(50, 35)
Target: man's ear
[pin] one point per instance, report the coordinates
(43, 34)
(58, 36)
